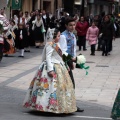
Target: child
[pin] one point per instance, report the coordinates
(92, 36)
(21, 37)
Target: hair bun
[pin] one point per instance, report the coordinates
(55, 33)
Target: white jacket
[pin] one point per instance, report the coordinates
(51, 56)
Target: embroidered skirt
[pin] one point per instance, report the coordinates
(11, 48)
(47, 94)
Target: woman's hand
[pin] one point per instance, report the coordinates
(51, 73)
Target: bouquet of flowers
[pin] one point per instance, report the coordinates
(1, 27)
(33, 22)
(80, 61)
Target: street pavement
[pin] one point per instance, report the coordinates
(95, 92)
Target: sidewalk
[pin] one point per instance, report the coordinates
(99, 86)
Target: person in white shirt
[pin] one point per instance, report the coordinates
(68, 44)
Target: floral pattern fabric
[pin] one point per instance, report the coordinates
(47, 94)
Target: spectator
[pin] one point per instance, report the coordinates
(108, 34)
(81, 28)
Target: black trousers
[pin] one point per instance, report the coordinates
(82, 42)
(72, 78)
(106, 46)
(93, 49)
(70, 63)
(1, 51)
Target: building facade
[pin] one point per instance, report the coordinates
(30, 5)
(47, 5)
(96, 7)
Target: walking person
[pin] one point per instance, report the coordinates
(21, 36)
(38, 34)
(81, 28)
(108, 34)
(5, 26)
(68, 44)
(92, 37)
(62, 22)
(51, 90)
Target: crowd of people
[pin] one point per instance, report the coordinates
(30, 29)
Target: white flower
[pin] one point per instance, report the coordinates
(1, 22)
(33, 22)
(43, 30)
(81, 59)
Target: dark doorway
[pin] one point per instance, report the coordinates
(55, 4)
(47, 6)
(68, 6)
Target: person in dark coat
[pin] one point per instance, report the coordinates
(21, 37)
(52, 22)
(62, 22)
(107, 32)
(47, 21)
(38, 34)
(27, 41)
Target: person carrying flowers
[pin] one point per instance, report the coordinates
(68, 44)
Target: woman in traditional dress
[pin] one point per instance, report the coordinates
(10, 41)
(13, 30)
(38, 35)
(51, 90)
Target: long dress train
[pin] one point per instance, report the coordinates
(47, 94)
